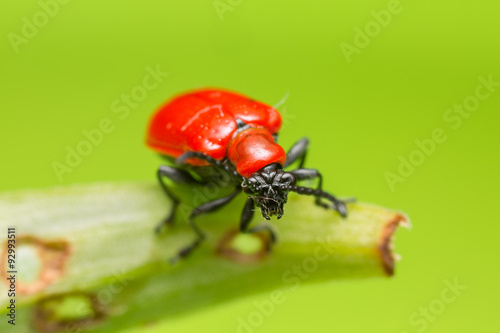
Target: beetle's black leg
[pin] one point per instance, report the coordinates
(298, 151)
(178, 176)
(246, 218)
(207, 207)
(247, 214)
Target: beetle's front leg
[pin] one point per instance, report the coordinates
(246, 218)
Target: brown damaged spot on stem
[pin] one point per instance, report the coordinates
(385, 242)
(46, 319)
(226, 249)
(53, 256)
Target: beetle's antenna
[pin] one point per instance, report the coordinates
(339, 206)
(195, 154)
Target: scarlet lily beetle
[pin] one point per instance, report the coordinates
(216, 130)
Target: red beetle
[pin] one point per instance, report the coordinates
(221, 135)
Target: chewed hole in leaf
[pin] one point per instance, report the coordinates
(243, 248)
(67, 312)
(44, 262)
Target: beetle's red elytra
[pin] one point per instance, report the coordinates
(205, 121)
(214, 129)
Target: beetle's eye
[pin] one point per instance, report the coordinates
(249, 186)
(288, 179)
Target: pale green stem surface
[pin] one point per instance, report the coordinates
(88, 253)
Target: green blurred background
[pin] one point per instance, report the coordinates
(362, 111)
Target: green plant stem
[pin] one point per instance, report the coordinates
(99, 243)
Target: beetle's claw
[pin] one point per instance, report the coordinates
(341, 208)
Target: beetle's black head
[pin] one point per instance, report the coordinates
(269, 188)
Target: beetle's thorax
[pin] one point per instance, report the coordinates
(252, 149)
